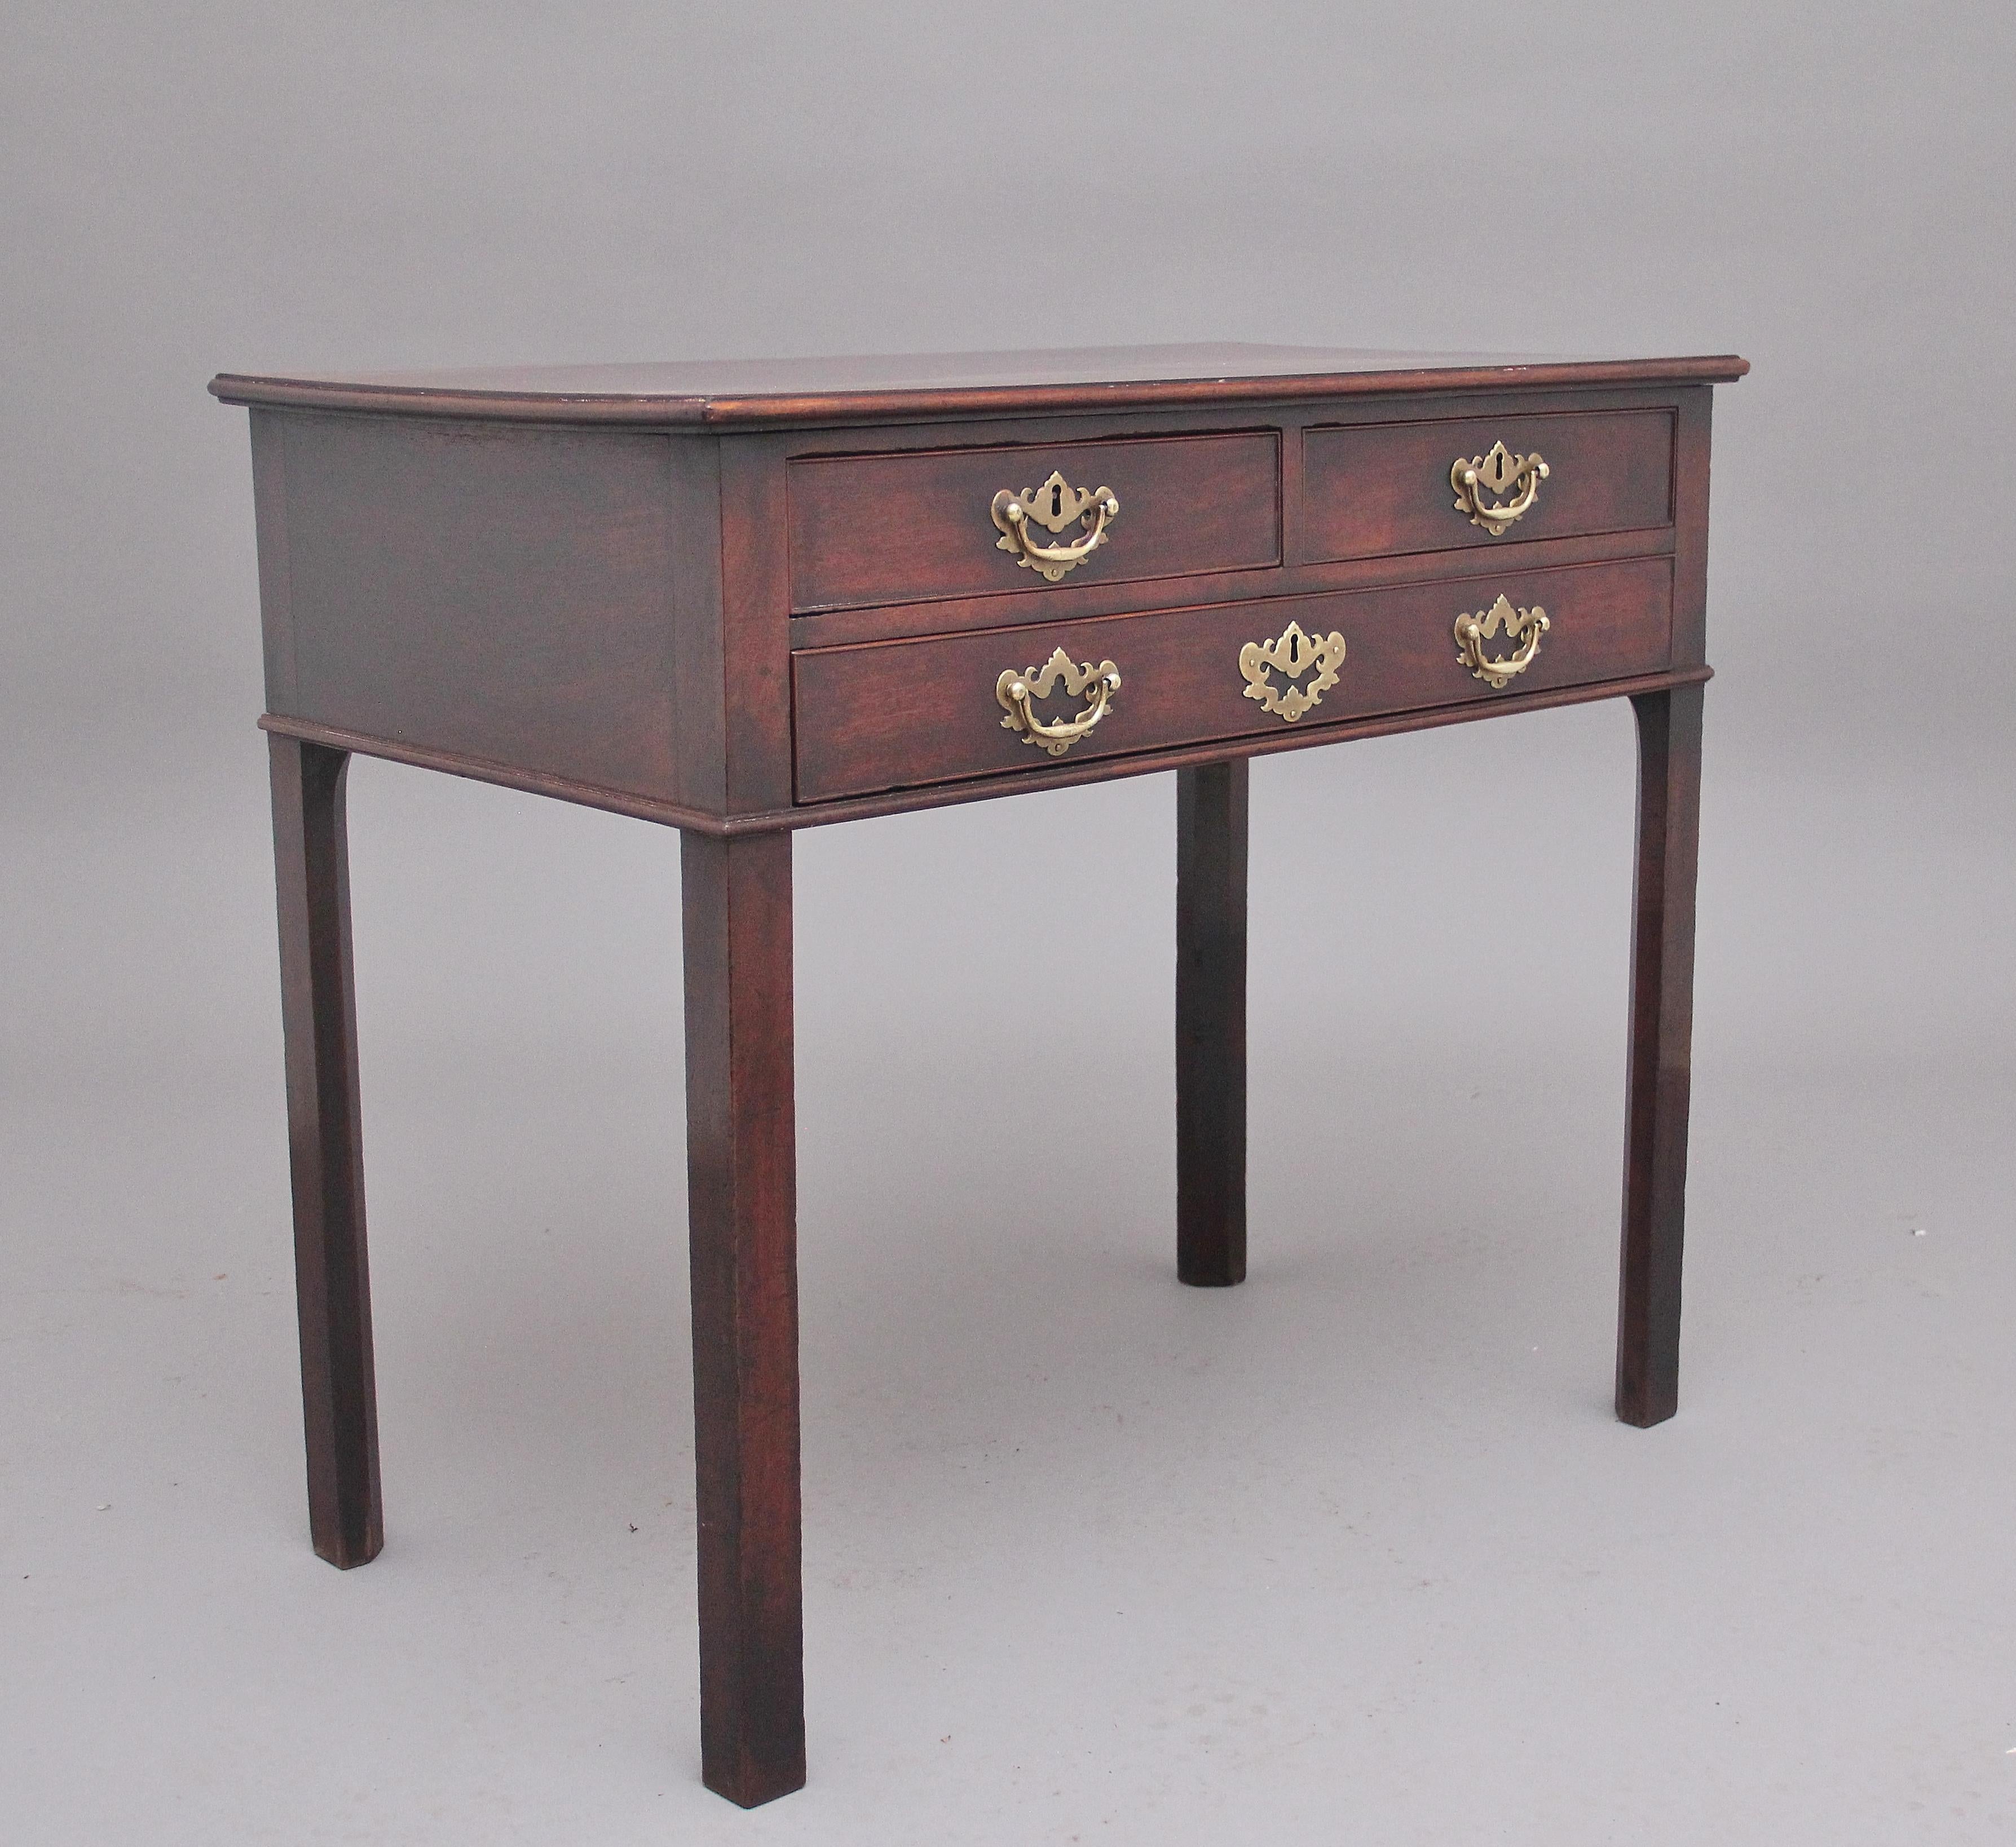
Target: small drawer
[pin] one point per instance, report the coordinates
(1381, 490)
(900, 714)
(914, 526)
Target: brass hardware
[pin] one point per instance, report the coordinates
(1015, 692)
(1523, 625)
(1512, 481)
(1054, 504)
(1293, 654)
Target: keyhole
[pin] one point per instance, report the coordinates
(1056, 502)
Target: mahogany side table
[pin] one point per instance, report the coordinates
(741, 598)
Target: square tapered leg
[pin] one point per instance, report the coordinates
(1211, 1024)
(1662, 975)
(742, 1190)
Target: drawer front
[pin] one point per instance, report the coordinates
(1373, 490)
(900, 714)
(907, 528)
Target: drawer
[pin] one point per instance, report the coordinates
(920, 525)
(899, 714)
(1380, 489)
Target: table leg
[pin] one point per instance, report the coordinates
(331, 1280)
(742, 1212)
(1662, 974)
(1211, 1024)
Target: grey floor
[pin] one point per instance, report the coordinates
(1355, 1552)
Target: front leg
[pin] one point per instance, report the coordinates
(1211, 1024)
(1662, 1000)
(742, 1215)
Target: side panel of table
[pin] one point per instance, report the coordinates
(542, 606)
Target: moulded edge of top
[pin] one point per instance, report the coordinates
(724, 410)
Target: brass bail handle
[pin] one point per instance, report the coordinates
(1055, 506)
(1496, 489)
(1016, 693)
(1524, 626)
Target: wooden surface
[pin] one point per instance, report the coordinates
(742, 1227)
(725, 392)
(1211, 1024)
(325, 1149)
(907, 528)
(894, 714)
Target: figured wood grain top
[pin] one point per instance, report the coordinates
(729, 392)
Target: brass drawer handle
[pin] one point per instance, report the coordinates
(1055, 506)
(1015, 691)
(1292, 655)
(1525, 627)
(1511, 482)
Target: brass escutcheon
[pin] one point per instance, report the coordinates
(1525, 627)
(1054, 505)
(1016, 692)
(1294, 655)
(1511, 482)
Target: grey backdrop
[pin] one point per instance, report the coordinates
(1354, 1553)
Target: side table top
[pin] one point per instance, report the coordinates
(756, 392)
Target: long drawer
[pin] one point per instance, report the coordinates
(906, 713)
(922, 524)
